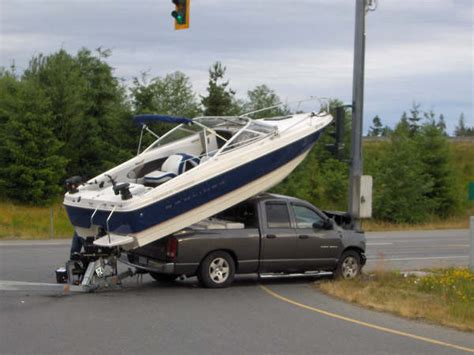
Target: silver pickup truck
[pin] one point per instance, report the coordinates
(266, 234)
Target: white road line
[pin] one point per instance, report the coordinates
(29, 243)
(422, 258)
(379, 244)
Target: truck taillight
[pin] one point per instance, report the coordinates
(172, 248)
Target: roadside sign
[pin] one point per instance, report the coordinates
(471, 191)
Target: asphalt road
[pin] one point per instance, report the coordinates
(275, 316)
(416, 250)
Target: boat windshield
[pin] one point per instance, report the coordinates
(176, 134)
(229, 132)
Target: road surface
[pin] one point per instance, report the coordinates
(416, 250)
(274, 316)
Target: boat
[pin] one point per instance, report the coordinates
(197, 169)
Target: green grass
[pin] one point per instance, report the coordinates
(445, 296)
(29, 222)
(455, 222)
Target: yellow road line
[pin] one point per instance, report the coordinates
(365, 324)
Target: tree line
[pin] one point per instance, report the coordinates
(70, 115)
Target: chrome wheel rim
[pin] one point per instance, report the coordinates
(219, 270)
(350, 267)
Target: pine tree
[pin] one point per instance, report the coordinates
(415, 118)
(441, 125)
(460, 129)
(401, 186)
(31, 164)
(434, 153)
(386, 131)
(377, 128)
(220, 99)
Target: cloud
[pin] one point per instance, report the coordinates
(299, 48)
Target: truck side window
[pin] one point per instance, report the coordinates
(307, 218)
(277, 215)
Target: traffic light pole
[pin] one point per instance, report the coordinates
(357, 114)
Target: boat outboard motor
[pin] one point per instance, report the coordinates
(124, 190)
(73, 183)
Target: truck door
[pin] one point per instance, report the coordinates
(317, 247)
(278, 251)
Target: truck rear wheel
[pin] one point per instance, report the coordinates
(217, 270)
(349, 265)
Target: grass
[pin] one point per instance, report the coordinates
(444, 296)
(455, 222)
(29, 222)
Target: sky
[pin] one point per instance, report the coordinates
(416, 50)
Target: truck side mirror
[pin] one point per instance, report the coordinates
(328, 224)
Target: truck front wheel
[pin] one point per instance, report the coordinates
(349, 265)
(217, 270)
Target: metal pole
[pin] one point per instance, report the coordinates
(357, 113)
(471, 254)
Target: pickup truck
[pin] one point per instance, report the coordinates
(265, 234)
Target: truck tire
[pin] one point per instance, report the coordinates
(349, 265)
(217, 270)
(163, 277)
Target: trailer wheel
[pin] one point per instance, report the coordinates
(349, 265)
(217, 270)
(163, 277)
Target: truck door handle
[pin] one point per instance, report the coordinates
(271, 236)
(303, 236)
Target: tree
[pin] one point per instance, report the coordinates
(32, 166)
(401, 185)
(106, 111)
(376, 129)
(435, 155)
(415, 118)
(171, 95)
(461, 130)
(88, 107)
(441, 125)
(386, 131)
(322, 179)
(261, 97)
(220, 99)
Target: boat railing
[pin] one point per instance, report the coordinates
(107, 222)
(323, 102)
(313, 114)
(93, 214)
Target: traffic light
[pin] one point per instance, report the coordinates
(181, 14)
(338, 134)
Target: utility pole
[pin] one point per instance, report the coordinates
(362, 6)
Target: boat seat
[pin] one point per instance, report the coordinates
(173, 166)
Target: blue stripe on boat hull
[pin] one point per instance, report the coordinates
(181, 202)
